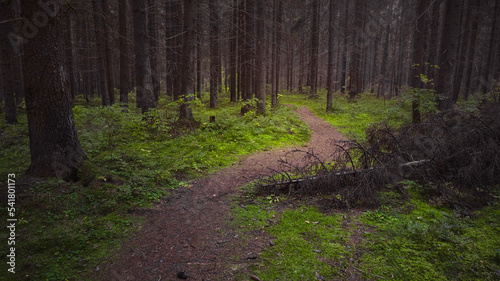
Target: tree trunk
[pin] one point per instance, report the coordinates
(101, 60)
(71, 54)
(7, 54)
(331, 39)
(144, 87)
(214, 53)
(233, 52)
(314, 48)
(277, 52)
(418, 55)
(187, 90)
(260, 90)
(153, 47)
(110, 81)
(472, 36)
(54, 146)
(488, 71)
(449, 51)
(199, 52)
(124, 67)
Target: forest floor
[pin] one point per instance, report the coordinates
(191, 230)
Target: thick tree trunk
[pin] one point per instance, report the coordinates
(187, 90)
(70, 54)
(260, 91)
(144, 87)
(54, 146)
(124, 67)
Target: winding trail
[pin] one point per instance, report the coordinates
(190, 231)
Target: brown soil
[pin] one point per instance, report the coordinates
(191, 232)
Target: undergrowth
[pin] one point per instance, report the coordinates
(67, 230)
(406, 238)
(353, 117)
(421, 241)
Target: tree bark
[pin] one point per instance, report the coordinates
(124, 66)
(153, 48)
(449, 51)
(488, 71)
(54, 146)
(187, 90)
(7, 64)
(314, 49)
(260, 91)
(233, 56)
(110, 81)
(331, 39)
(144, 87)
(215, 70)
(418, 55)
(100, 48)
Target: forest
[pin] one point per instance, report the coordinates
(250, 139)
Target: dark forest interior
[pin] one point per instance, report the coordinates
(115, 112)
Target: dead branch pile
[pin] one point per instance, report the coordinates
(456, 153)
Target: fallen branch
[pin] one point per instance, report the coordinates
(345, 173)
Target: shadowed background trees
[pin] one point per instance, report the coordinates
(245, 49)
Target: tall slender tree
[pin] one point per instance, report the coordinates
(215, 67)
(124, 63)
(314, 48)
(187, 86)
(260, 90)
(153, 47)
(100, 50)
(110, 81)
(418, 55)
(144, 87)
(331, 55)
(449, 52)
(7, 55)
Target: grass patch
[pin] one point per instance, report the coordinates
(431, 243)
(306, 243)
(67, 230)
(352, 118)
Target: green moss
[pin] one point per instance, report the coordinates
(430, 243)
(352, 118)
(307, 243)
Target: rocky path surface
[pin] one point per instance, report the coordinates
(190, 231)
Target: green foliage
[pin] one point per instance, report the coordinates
(305, 242)
(427, 100)
(67, 229)
(353, 118)
(428, 243)
(134, 160)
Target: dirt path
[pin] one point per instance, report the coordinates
(190, 231)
